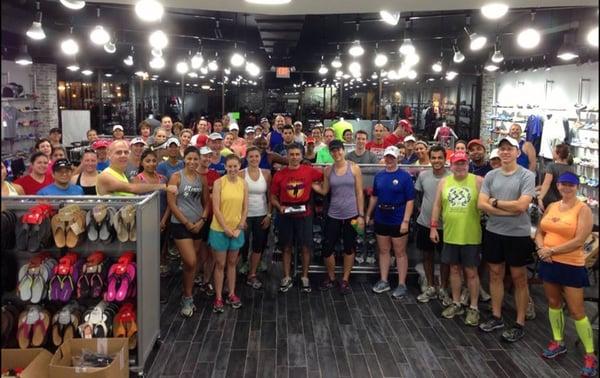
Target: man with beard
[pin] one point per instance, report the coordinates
(477, 164)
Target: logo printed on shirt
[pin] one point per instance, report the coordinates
(395, 181)
(459, 197)
(295, 189)
(192, 191)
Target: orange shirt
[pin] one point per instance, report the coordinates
(560, 227)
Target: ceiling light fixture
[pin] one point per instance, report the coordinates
(213, 66)
(73, 4)
(407, 47)
(156, 52)
(23, 58)
(336, 62)
(494, 11)
(73, 67)
(323, 70)
(338, 74)
(129, 60)
(390, 18)
(458, 56)
(99, 35)
(478, 41)
(592, 37)
(182, 68)
(356, 49)
(437, 66)
(110, 47)
(380, 59)
(412, 59)
(69, 46)
(197, 60)
(252, 69)
(269, 2)
(157, 63)
(204, 70)
(530, 37)
(158, 40)
(36, 31)
(87, 72)
(192, 74)
(237, 59)
(567, 51)
(149, 10)
(491, 67)
(412, 74)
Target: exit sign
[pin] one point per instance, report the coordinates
(282, 72)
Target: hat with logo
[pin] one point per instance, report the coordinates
(170, 141)
(215, 136)
(459, 156)
(61, 163)
(234, 126)
(513, 142)
(205, 151)
(138, 140)
(410, 138)
(392, 151)
(249, 130)
(100, 143)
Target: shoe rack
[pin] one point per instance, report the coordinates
(146, 249)
(585, 151)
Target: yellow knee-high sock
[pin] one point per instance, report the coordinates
(557, 322)
(584, 330)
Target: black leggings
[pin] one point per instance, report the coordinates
(258, 234)
(336, 229)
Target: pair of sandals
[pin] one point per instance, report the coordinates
(33, 278)
(92, 280)
(97, 321)
(124, 224)
(125, 324)
(10, 316)
(34, 231)
(65, 275)
(9, 223)
(33, 327)
(67, 226)
(99, 224)
(121, 279)
(65, 323)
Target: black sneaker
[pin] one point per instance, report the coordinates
(492, 324)
(513, 334)
(327, 284)
(345, 288)
(305, 285)
(208, 289)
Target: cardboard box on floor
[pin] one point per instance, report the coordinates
(61, 365)
(34, 361)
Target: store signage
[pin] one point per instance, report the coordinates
(282, 72)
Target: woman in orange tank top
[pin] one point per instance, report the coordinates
(559, 244)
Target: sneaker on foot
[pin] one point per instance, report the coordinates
(187, 307)
(483, 295)
(345, 288)
(427, 295)
(286, 284)
(444, 297)
(465, 297)
(218, 305)
(198, 280)
(326, 284)
(530, 314)
(491, 324)
(359, 258)
(513, 334)
(164, 271)
(590, 366)
(472, 318)
(370, 259)
(305, 284)
(208, 289)
(400, 292)
(381, 286)
(453, 310)
(234, 301)
(254, 282)
(243, 267)
(554, 350)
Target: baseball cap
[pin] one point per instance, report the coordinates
(170, 141)
(65, 163)
(335, 144)
(410, 138)
(249, 130)
(459, 156)
(100, 143)
(215, 136)
(310, 140)
(568, 178)
(475, 142)
(297, 123)
(118, 127)
(54, 130)
(138, 140)
(264, 120)
(513, 142)
(405, 125)
(234, 126)
(201, 140)
(205, 151)
(494, 154)
(391, 150)
(422, 142)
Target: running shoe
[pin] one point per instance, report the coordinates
(198, 280)
(381, 286)
(286, 284)
(208, 289)
(492, 324)
(243, 267)
(513, 334)
(530, 314)
(422, 281)
(444, 297)
(590, 366)
(218, 306)
(359, 258)
(164, 270)
(305, 284)
(400, 292)
(327, 284)
(345, 288)
(187, 307)
(455, 309)
(370, 258)
(472, 318)
(554, 350)
(483, 295)
(427, 295)
(254, 282)
(234, 301)
(465, 297)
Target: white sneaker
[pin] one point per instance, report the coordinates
(483, 295)
(427, 295)
(444, 297)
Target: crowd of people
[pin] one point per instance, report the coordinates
(222, 189)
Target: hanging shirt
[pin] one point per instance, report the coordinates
(552, 135)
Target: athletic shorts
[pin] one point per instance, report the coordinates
(392, 230)
(223, 243)
(513, 250)
(178, 231)
(563, 274)
(257, 233)
(336, 229)
(424, 243)
(295, 231)
(465, 255)
(204, 231)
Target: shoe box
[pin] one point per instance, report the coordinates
(34, 361)
(61, 364)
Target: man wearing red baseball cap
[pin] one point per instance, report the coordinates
(456, 201)
(101, 148)
(403, 128)
(478, 165)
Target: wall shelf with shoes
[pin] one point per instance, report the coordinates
(81, 272)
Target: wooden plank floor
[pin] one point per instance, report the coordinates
(324, 334)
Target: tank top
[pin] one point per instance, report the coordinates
(343, 194)
(232, 201)
(257, 195)
(560, 227)
(189, 198)
(275, 139)
(523, 159)
(11, 189)
(120, 177)
(87, 190)
(163, 194)
(460, 215)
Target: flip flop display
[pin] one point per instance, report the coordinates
(64, 279)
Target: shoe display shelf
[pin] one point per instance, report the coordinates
(585, 151)
(146, 249)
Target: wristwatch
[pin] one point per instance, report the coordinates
(495, 202)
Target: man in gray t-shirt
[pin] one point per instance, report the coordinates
(361, 155)
(505, 196)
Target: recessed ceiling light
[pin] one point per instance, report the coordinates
(149, 10)
(73, 67)
(108, 74)
(494, 11)
(390, 18)
(87, 72)
(491, 67)
(73, 4)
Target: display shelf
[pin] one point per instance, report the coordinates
(11, 99)
(146, 249)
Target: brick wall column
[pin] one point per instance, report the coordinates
(47, 100)
(487, 102)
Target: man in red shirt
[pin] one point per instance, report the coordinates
(403, 128)
(377, 145)
(290, 194)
